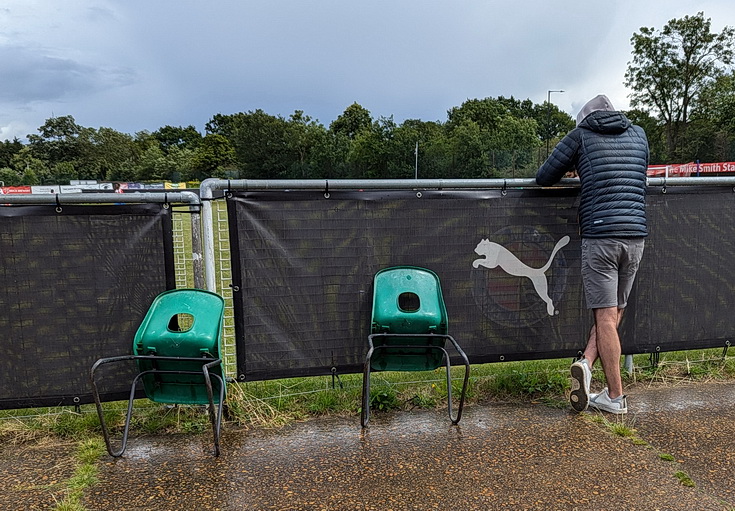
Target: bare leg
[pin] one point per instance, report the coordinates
(590, 352)
(607, 346)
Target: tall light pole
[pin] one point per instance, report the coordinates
(548, 119)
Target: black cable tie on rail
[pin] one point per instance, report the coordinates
(166, 205)
(504, 190)
(58, 204)
(326, 188)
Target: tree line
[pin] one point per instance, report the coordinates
(683, 95)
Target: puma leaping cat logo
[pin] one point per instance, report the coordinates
(497, 255)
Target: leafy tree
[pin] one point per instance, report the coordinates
(370, 150)
(485, 113)
(113, 155)
(671, 67)
(654, 132)
(551, 123)
(10, 177)
(330, 157)
(63, 172)
(33, 170)
(7, 150)
(213, 158)
(57, 140)
(470, 151)
(515, 139)
(177, 136)
(152, 164)
(352, 121)
(434, 155)
(260, 142)
(30, 177)
(306, 137)
(712, 136)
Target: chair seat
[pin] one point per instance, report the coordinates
(179, 323)
(409, 329)
(176, 350)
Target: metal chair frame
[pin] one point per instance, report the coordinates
(207, 365)
(365, 415)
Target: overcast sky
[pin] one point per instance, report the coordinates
(135, 65)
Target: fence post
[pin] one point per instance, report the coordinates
(629, 364)
(205, 195)
(196, 249)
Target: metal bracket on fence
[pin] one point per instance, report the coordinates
(724, 350)
(335, 376)
(654, 357)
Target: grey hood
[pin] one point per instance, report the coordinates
(600, 102)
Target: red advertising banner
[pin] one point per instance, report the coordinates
(689, 169)
(9, 190)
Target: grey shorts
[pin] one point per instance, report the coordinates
(609, 266)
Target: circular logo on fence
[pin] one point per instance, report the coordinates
(520, 276)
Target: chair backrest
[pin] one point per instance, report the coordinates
(408, 300)
(179, 323)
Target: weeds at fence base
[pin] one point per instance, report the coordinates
(276, 403)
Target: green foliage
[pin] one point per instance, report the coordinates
(85, 476)
(672, 67)
(214, 156)
(383, 399)
(10, 177)
(482, 138)
(352, 121)
(515, 380)
(684, 479)
(169, 137)
(7, 150)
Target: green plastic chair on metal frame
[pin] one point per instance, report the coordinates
(409, 330)
(176, 350)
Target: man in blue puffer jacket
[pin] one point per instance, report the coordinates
(610, 155)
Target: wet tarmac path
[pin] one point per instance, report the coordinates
(512, 456)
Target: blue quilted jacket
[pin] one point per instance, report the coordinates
(610, 155)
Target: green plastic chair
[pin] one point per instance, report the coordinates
(176, 350)
(409, 330)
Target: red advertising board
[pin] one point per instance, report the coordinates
(9, 190)
(690, 169)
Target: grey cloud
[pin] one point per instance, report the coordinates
(29, 76)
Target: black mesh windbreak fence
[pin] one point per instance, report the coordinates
(75, 286)
(508, 263)
(307, 264)
(686, 286)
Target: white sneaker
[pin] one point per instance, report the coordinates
(581, 378)
(602, 401)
